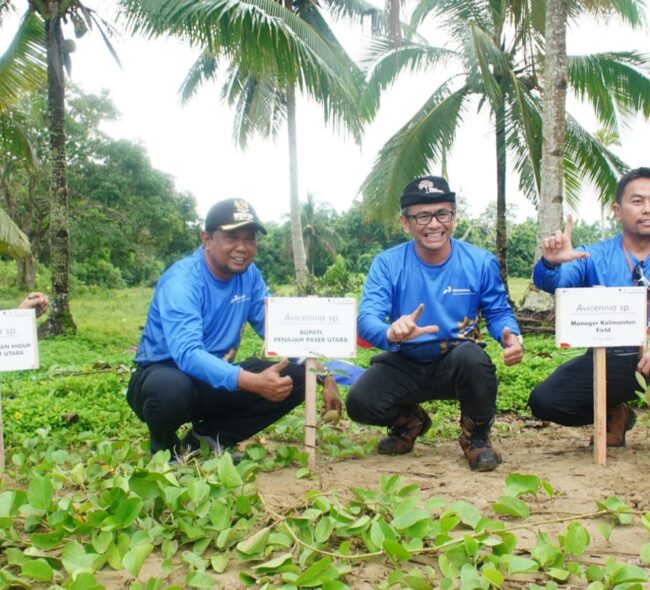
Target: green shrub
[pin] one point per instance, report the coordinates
(338, 281)
(99, 272)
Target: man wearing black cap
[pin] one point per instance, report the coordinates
(199, 310)
(433, 289)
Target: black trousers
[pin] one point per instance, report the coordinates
(394, 382)
(567, 395)
(165, 398)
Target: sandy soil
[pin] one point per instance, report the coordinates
(562, 456)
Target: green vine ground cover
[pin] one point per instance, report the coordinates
(82, 505)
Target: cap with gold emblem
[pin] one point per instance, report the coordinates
(232, 214)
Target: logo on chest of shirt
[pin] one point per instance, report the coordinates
(456, 291)
(239, 298)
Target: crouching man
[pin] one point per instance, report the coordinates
(432, 290)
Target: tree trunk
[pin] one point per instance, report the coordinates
(538, 306)
(554, 119)
(297, 243)
(394, 28)
(59, 319)
(501, 228)
(26, 275)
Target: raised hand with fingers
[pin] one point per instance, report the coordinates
(35, 300)
(557, 248)
(513, 351)
(269, 383)
(405, 327)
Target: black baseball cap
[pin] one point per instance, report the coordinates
(232, 214)
(427, 189)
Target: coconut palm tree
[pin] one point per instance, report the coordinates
(299, 53)
(318, 232)
(497, 48)
(58, 49)
(538, 306)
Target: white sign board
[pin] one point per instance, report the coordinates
(18, 342)
(311, 327)
(601, 317)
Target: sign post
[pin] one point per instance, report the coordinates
(310, 327)
(601, 318)
(18, 351)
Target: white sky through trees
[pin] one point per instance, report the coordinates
(193, 143)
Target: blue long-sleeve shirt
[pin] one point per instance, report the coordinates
(197, 320)
(455, 294)
(606, 266)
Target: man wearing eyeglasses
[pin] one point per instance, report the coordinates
(566, 397)
(422, 303)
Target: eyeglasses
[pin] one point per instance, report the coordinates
(638, 277)
(424, 218)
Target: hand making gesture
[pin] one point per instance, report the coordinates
(558, 249)
(37, 301)
(405, 327)
(513, 351)
(269, 384)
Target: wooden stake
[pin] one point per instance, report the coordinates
(310, 411)
(600, 406)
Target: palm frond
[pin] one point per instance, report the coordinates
(611, 82)
(299, 55)
(491, 61)
(13, 242)
(14, 139)
(384, 63)
(203, 70)
(6, 7)
(593, 161)
(453, 15)
(523, 139)
(260, 108)
(630, 12)
(23, 66)
(408, 153)
(106, 29)
(264, 39)
(527, 17)
(357, 11)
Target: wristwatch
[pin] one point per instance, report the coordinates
(322, 375)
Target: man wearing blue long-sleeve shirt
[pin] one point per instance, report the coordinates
(422, 303)
(199, 310)
(566, 397)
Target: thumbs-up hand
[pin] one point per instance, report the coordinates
(513, 351)
(269, 384)
(557, 248)
(405, 327)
